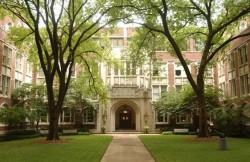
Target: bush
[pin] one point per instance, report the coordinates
(14, 117)
(192, 133)
(167, 133)
(146, 129)
(167, 129)
(20, 134)
(103, 130)
(83, 133)
(82, 130)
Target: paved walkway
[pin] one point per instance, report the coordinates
(126, 148)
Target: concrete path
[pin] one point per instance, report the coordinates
(126, 148)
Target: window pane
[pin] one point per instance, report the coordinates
(163, 88)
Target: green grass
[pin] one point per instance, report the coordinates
(176, 148)
(77, 148)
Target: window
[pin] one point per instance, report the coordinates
(243, 55)
(160, 69)
(221, 68)
(158, 90)
(117, 42)
(141, 70)
(6, 71)
(177, 72)
(18, 71)
(29, 70)
(18, 83)
(130, 68)
(244, 84)
(243, 70)
(133, 69)
(108, 70)
(243, 25)
(163, 88)
(232, 88)
(161, 117)
(73, 71)
(198, 44)
(183, 118)
(178, 87)
(5, 85)
(116, 69)
(209, 72)
(41, 74)
(155, 70)
(7, 53)
(88, 116)
(223, 89)
(67, 116)
(18, 64)
(186, 45)
(231, 61)
(45, 118)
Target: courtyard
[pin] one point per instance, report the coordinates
(91, 148)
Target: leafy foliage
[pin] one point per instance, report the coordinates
(62, 32)
(14, 117)
(231, 120)
(213, 23)
(20, 134)
(32, 98)
(185, 101)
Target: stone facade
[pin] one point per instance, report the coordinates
(132, 90)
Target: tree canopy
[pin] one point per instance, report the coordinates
(62, 32)
(185, 100)
(212, 23)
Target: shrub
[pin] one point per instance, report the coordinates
(192, 133)
(103, 129)
(83, 133)
(167, 133)
(146, 129)
(83, 130)
(20, 134)
(167, 129)
(14, 117)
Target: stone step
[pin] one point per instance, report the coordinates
(125, 132)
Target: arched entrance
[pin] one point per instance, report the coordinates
(125, 118)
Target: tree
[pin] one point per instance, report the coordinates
(212, 23)
(81, 96)
(32, 98)
(63, 32)
(14, 117)
(185, 101)
(231, 119)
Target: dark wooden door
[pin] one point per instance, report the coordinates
(125, 120)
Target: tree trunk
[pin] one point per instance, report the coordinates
(203, 127)
(53, 125)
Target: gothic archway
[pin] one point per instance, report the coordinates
(116, 113)
(125, 118)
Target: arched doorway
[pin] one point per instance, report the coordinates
(125, 118)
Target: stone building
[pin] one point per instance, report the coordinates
(14, 66)
(132, 90)
(233, 72)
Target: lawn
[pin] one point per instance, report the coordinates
(74, 148)
(177, 148)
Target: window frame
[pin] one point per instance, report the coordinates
(188, 118)
(165, 117)
(70, 116)
(85, 116)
